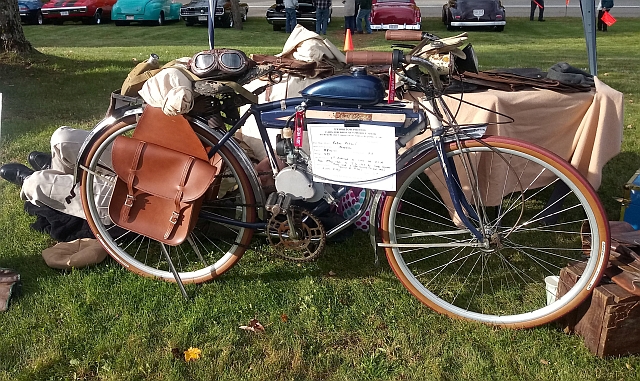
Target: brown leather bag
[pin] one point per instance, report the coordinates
(159, 189)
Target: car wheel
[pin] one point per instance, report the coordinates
(161, 19)
(39, 18)
(97, 18)
(444, 15)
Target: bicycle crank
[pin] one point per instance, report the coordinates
(297, 235)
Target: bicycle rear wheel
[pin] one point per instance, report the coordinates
(534, 210)
(211, 249)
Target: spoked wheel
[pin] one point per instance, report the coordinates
(210, 250)
(530, 216)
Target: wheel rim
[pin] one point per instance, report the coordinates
(40, 19)
(475, 284)
(210, 251)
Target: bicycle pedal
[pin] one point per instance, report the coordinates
(278, 202)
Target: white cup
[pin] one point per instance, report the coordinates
(551, 285)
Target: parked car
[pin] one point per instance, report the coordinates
(474, 13)
(87, 11)
(305, 15)
(395, 14)
(197, 12)
(30, 12)
(155, 12)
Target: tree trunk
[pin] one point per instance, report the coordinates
(236, 13)
(11, 34)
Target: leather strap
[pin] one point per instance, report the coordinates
(178, 198)
(128, 203)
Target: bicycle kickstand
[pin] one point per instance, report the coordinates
(174, 272)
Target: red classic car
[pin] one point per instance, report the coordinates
(395, 14)
(87, 11)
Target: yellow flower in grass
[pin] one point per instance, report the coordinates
(192, 354)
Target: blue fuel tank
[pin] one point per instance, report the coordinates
(356, 89)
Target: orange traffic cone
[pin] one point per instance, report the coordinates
(348, 44)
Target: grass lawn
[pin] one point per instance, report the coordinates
(340, 318)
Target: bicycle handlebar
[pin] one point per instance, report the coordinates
(369, 58)
(403, 35)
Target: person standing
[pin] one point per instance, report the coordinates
(290, 11)
(349, 15)
(364, 14)
(322, 15)
(604, 5)
(537, 4)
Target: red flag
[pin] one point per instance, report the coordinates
(566, 3)
(607, 18)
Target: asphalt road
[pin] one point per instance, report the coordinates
(515, 8)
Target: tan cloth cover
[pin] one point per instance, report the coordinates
(305, 45)
(583, 128)
(75, 254)
(170, 89)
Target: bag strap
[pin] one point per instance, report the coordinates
(128, 202)
(178, 199)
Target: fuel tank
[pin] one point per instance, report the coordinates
(356, 89)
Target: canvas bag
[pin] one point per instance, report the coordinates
(163, 172)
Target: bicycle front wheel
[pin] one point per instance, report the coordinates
(211, 249)
(533, 212)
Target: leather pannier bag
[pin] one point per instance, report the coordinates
(159, 191)
(163, 172)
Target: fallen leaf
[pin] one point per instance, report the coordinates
(284, 318)
(543, 361)
(254, 326)
(192, 354)
(628, 365)
(629, 126)
(177, 353)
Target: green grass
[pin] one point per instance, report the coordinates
(105, 323)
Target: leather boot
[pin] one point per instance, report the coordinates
(15, 173)
(39, 160)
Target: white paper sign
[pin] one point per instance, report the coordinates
(362, 156)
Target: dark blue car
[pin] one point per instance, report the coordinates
(30, 11)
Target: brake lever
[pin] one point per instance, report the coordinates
(403, 46)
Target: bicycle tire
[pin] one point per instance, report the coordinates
(211, 249)
(503, 285)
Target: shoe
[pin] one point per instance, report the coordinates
(542, 20)
(15, 173)
(39, 160)
(359, 32)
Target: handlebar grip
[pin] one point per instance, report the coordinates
(369, 58)
(403, 35)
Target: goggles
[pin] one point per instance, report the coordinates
(219, 62)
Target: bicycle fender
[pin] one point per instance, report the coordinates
(242, 157)
(97, 131)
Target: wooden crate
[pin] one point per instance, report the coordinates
(608, 321)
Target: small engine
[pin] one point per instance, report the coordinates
(296, 179)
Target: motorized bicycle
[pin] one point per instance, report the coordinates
(470, 224)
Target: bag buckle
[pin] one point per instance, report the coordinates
(174, 218)
(129, 201)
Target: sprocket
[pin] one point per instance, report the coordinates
(310, 232)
